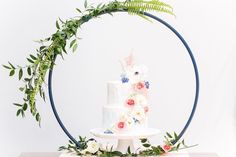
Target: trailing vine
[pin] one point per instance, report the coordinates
(34, 73)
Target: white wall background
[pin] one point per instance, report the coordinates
(80, 80)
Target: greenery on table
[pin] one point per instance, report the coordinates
(33, 74)
(146, 148)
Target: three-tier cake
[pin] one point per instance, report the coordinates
(127, 105)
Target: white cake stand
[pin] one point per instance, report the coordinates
(125, 140)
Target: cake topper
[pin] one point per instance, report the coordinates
(132, 71)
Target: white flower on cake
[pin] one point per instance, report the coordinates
(92, 147)
(129, 121)
(138, 113)
(137, 73)
(140, 99)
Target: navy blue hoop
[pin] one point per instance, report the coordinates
(196, 79)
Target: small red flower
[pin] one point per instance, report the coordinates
(146, 109)
(130, 102)
(140, 85)
(166, 147)
(121, 125)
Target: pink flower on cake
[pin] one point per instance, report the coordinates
(140, 85)
(146, 109)
(140, 88)
(130, 102)
(121, 125)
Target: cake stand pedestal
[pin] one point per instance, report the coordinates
(125, 140)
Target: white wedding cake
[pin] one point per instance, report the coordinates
(127, 106)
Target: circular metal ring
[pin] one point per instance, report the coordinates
(196, 82)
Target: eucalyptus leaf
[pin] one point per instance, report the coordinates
(18, 112)
(37, 117)
(128, 150)
(175, 135)
(85, 4)
(33, 57)
(57, 25)
(169, 135)
(146, 145)
(11, 65)
(77, 9)
(143, 140)
(12, 72)
(7, 67)
(25, 106)
(74, 47)
(30, 60)
(20, 74)
(29, 71)
(22, 89)
(16, 104)
(72, 42)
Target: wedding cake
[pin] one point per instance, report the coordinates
(127, 107)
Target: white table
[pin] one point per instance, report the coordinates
(54, 154)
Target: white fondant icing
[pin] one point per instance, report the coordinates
(111, 114)
(117, 92)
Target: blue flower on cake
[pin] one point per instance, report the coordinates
(147, 84)
(124, 78)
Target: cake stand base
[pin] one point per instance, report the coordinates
(125, 140)
(123, 144)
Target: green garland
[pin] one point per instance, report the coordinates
(146, 148)
(34, 73)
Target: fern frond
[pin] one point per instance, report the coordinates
(139, 6)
